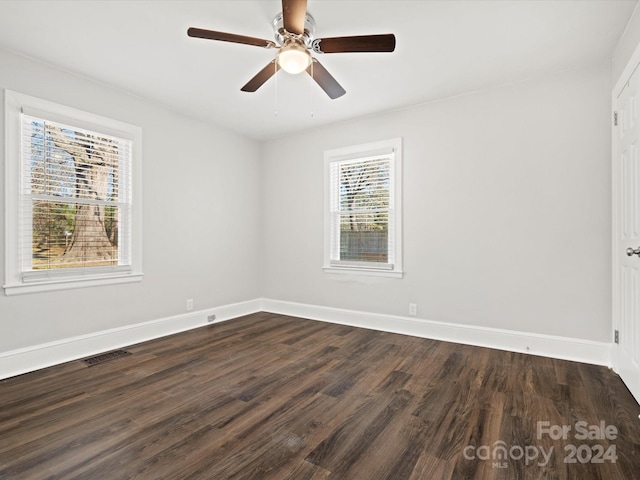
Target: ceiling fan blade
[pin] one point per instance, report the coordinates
(294, 13)
(323, 78)
(261, 77)
(363, 43)
(229, 37)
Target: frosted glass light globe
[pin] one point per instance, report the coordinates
(293, 58)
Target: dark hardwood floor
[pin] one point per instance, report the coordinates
(275, 397)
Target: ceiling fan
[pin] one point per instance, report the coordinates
(294, 29)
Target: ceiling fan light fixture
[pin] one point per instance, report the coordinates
(294, 30)
(293, 58)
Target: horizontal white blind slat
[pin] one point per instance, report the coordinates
(79, 125)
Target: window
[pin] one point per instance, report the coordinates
(73, 197)
(363, 221)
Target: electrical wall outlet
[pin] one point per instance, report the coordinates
(211, 318)
(413, 309)
(189, 304)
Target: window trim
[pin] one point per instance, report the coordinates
(15, 282)
(393, 145)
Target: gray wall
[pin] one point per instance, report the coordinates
(506, 210)
(626, 45)
(201, 217)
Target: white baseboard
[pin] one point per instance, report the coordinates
(578, 350)
(17, 362)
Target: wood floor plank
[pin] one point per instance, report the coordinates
(272, 397)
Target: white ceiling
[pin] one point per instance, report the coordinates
(444, 48)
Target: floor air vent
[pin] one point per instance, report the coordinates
(105, 357)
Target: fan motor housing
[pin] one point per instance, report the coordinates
(280, 34)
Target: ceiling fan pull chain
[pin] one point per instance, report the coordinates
(275, 107)
(311, 90)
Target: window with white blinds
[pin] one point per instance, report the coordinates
(74, 212)
(77, 197)
(363, 216)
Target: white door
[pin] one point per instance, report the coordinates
(626, 236)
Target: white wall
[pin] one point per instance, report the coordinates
(626, 45)
(201, 217)
(506, 210)
(506, 196)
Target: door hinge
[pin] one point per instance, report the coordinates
(615, 119)
(616, 336)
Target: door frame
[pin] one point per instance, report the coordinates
(621, 83)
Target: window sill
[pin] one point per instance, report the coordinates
(70, 283)
(372, 272)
